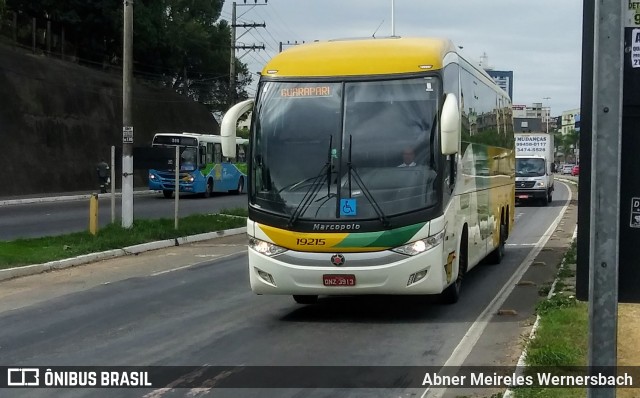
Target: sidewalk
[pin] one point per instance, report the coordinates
(63, 196)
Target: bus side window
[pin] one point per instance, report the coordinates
(203, 156)
(209, 152)
(217, 153)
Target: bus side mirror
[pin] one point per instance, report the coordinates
(450, 126)
(228, 127)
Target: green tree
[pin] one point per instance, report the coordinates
(565, 143)
(180, 43)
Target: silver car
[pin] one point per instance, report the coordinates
(566, 169)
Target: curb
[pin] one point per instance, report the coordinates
(567, 181)
(521, 365)
(16, 272)
(50, 199)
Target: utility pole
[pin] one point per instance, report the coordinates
(393, 18)
(127, 118)
(288, 44)
(232, 58)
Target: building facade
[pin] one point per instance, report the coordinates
(535, 117)
(504, 79)
(570, 121)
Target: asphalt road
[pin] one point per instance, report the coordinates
(56, 218)
(203, 313)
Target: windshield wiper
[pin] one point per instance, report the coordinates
(352, 170)
(315, 188)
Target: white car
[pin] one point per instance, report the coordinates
(566, 169)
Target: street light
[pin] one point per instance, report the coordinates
(547, 117)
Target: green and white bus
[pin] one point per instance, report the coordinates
(330, 210)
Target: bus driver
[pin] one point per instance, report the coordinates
(408, 158)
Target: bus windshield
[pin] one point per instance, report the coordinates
(188, 159)
(354, 149)
(188, 156)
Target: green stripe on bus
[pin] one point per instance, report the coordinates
(391, 238)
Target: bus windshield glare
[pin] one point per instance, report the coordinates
(346, 150)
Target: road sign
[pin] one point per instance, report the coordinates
(635, 213)
(629, 223)
(127, 134)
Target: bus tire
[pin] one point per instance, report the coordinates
(209, 190)
(451, 294)
(496, 256)
(240, 189)
(167, 194)
(305, 299)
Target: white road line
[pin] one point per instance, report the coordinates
(191, 265)
(469, 340)
(186, 378)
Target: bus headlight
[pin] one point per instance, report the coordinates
(266, 248)
(540, 184)
(152, 176)
(420, 246)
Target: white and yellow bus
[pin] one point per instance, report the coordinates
(332, 210)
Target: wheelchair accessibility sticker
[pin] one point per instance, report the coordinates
(348, 207)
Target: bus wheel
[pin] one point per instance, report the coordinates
(451, 294)
(496, 256)
(305, 299)
(209, 190)
(240, 189)
(167, 194)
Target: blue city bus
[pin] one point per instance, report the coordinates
(203, 169)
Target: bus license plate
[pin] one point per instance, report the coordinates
(339, 280)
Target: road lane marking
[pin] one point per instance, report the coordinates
(191, 265)
(186, 378)
(473, 334)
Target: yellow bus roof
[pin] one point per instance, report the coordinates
(357, 57)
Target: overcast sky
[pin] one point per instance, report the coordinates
(540, 41)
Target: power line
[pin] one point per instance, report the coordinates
(269, 10)
(263, 39)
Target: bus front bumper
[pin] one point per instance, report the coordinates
(268, 275)
(157, 185)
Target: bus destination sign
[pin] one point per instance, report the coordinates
(306, 92)
(175, 140)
